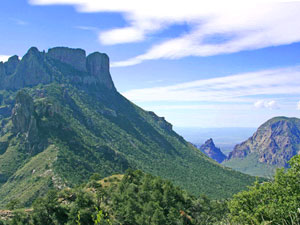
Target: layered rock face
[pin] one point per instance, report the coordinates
(97, 65)
(42, 68)
(73, 57)
(275, 142)
(212, 151)
(11, 64)
(30, 71)
(7, 69)
(23, 118)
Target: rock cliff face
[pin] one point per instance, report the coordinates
(42, 68)
(11, 64)
(23, 118)
(2, 73)
(98, 66)
(274, 143)
(212, 151)
(31, 71)
(73, 57)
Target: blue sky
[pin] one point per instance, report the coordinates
(197, 63)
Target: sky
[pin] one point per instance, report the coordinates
(229, 63)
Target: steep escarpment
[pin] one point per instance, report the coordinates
(67, 121)
(60, 65)
(272, 145)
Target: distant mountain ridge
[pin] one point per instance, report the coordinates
(212, 151)
(273, 144)
(62, 119)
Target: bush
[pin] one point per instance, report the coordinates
(274, 202)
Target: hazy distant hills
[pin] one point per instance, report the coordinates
(273, 144)
(224, 137)
(62, 120)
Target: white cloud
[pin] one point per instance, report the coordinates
(123, 35)
(4, 58)
(298, 105)
(89, 28)
(197, 107)
(269, 104)
(252, 24)
(235, 88)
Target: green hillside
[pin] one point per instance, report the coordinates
(68, 122)
(132, 198)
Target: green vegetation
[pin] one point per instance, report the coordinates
(91, 131)
(274, 202)
(62, 120)
(252, 166)
(135, 198)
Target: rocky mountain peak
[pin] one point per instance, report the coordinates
(210, 143)
(59, 64)
(33, 51)
(212, 151)
(275, 142)
(11, 64)
(73, 57)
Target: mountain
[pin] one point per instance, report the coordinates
(212, 151)
(273, 144)
(62, 120)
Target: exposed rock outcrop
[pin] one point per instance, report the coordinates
(22, 113)
(43, 68)
(2, 74)
(212, 151)
(275, 142)
(31, 71)
(11, 64)
(98, 66)
(73, 57)
(161, 121)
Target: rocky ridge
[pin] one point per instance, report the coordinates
(275, 142)
(37, 67)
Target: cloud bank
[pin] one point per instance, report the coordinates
(243, 88)
(249, 24)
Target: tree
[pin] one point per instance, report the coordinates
(48, 211)
(13, 204)
(274, 202)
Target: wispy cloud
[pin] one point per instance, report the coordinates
(88, 28)
(269, 104)
(249, 24)
(247, 87)
(4, 58)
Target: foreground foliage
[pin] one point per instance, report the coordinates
(275, 202)
(135, 198)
